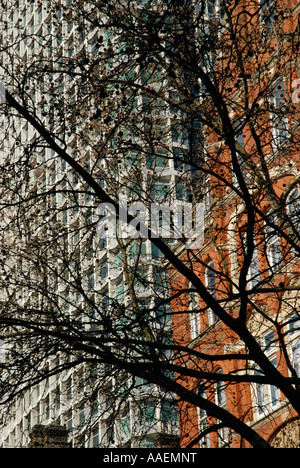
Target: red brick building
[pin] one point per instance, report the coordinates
(255, 183)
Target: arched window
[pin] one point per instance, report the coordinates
(272, 242)
(194, 312)
(210, 281)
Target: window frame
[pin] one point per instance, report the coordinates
(210, 268)
(195, 326)
(265, 12)
(221, 401)
(273, 244)
(293, 207)
(278, 122)
(203, 422)
(267, 397)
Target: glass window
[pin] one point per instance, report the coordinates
(211, 286)
(267, 14)
(294, 324)
(169, 416)
(120, 292)
(239, 136)
(125, 421)
(273, 242)
(220, 396)
(194, 313)
(91, 281)
(69, 390)
(160, 189)
(180, 189)
(95, 438)
(253, 272)
(203, 420)
(279, 122)
(293, 208)
(147, 412)
(157, 160)
(215, 9)
(69, 421)
(296, 357)
(267, 396)
(81, 415)
(2, 351)
(104, 270)
(220, 393)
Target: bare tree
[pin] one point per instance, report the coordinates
(156, 104)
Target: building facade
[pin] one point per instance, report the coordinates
(84, 282)
(263, 288)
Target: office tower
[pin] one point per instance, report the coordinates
(79, 279)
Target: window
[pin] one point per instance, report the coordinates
(203, 420)
(211, 286)
(57, 399)
(220, 396)
(95, 437)
(214, 9)
(279, 122)
(157, 160)
(125, 421)
(169, 416)
(293, 208)
(104, 270)
(253, 271)
(267, 396)
(179, 133)
(267, 14)
(155, 252)
(69, 421)
(91, 281)
(69, 390)
(180, 189)
(81, 415)
(160, 189)
(147, 412)
(294, 324)
(120, 292)
(273, 243)
(207, 199)
(163, 314)
(296, 357)
(2, 352)
(293, 329)
(239, 136)
(194, 313)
